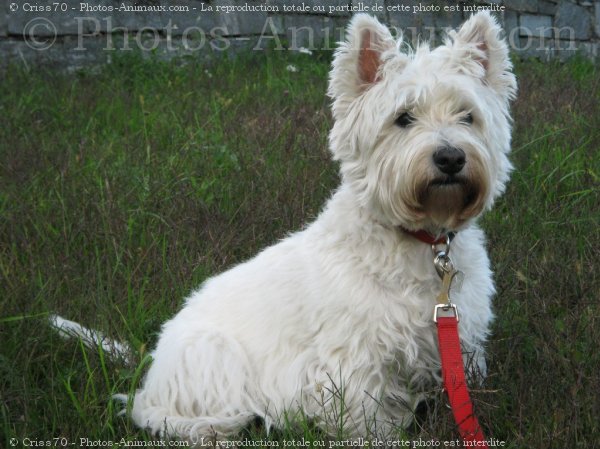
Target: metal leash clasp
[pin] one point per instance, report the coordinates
(441, 257)
(448, 274)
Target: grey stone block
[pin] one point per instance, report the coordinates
(64, 56)
(401, 19)
(313, 32)
(273, 25)
(417, 27)
(195, 19)
(60, 56)
(44, 23)
(131, 21)
(546, 7)
(532, 25)
(444, 22)
(542, 49)
(597, 16)
(511, 21)
(239, 23)
(15, 52)
(103, 16)
(252, 24)
(573, 17)
(272, 36)
(423, 16)
(140, 20)
(448, 19)
(4, 19)
(522, 5)
(565, 47)
(148, 46)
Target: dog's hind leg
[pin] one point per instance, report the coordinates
(198, 385)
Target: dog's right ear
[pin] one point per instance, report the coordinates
(358, 60)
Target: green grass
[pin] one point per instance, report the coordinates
(121, 191)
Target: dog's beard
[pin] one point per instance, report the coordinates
(450, 200)
(448, 203)
(435, 201)
(433, 204)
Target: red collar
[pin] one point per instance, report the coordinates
(428, 238)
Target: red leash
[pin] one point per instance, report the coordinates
(453, 370)
(455, 384)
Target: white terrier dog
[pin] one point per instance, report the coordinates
(335, 321)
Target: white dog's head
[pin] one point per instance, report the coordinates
(423, 136)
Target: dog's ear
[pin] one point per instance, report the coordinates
(483, 53)
(358, 60)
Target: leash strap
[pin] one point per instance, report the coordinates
(455, 384)
(453, 370)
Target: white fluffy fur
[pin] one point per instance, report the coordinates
(343, 309)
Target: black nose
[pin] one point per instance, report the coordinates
(449, 160)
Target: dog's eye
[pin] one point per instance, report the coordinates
(467, 119)
(404, 120)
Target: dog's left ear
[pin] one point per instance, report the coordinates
(484, 54)
(358, 60)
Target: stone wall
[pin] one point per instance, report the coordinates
(70, 34)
